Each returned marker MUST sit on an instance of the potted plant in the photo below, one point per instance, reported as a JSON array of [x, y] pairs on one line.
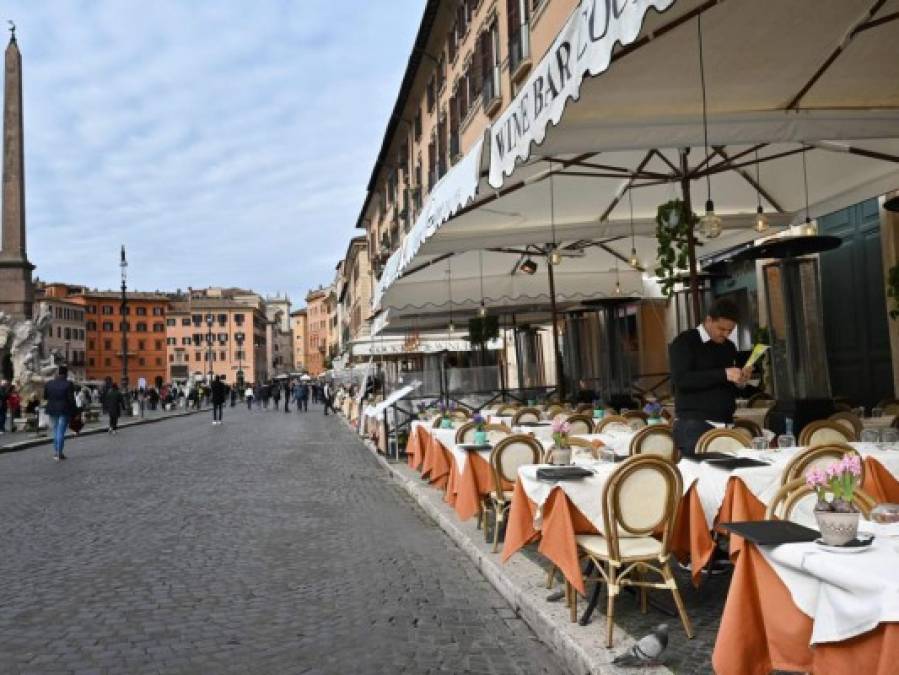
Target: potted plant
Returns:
[[837, 518], [598, 411], [561, 428], [422, 410], [480, 430], [653, 410], [446, 413]]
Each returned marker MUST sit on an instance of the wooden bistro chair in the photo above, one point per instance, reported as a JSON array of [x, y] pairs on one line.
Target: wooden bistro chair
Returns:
[[525, 415], [579, 446], [508, 455], [791, 494], [465, 433], [612, 421], [580, 424], [640, 499], [890, 406], [748, 425], [817, 457], [656, 440], [722, 440], [849, 420], [506, 410], [825, 431], [636, 419], [553, 409], [584, 408]]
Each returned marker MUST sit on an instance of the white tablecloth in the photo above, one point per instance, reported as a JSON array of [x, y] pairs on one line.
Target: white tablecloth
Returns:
[[845, 594], [763, 481]]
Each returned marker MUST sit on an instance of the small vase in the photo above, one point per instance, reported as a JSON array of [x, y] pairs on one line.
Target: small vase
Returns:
[[837, 529], [562, 456], [480, 437], [654, 420], [598, 413], [446, 423]]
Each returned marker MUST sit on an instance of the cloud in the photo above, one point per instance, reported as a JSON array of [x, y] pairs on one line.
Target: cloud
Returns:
[[223, 143]]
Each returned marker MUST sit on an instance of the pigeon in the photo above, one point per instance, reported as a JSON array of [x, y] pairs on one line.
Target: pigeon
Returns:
[[647, 651]]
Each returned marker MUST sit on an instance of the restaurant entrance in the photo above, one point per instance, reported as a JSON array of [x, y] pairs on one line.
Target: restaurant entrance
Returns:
[[855, 317]]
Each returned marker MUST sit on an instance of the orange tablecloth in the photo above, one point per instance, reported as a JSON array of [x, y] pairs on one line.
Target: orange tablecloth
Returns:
[[415, 447], [762, 630], [436, 463], [879, 482], [465, 491]]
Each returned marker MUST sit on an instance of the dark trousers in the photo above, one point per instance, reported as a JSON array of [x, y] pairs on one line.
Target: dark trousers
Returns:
[[249, 402], [686, 433], [217, 409], [287, 404], [327, 402], [113, 422], [303, 404]]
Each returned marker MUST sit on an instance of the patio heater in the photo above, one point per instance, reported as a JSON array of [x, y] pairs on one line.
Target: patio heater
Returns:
[[798, 356], [595, 348], [683, 299]]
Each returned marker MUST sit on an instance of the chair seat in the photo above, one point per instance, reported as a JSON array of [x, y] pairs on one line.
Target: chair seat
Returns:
[[629, 547]]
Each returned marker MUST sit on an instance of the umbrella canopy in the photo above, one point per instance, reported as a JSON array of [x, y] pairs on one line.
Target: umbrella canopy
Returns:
[[812, 80]]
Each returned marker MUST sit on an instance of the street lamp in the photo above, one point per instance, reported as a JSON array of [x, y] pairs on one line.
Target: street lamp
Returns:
[[123, 265], [209, 344], [238, 338]]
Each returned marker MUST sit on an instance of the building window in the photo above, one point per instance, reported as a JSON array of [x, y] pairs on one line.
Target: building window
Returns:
[[158, 311], [126, 311], [431, 93], [171, 341], [107, 344], [90, 325], [159, 328], [91, 309], [141, 327], [141, 345], [124, 326], [223, 356], [141, 361], [186, 341], [222, 319], [185, 322], [171, 358], [107, 310], [197, 319], [519, 33], [238, 319], [198, 356], [171, 322], [90, 362], [158, 344], [90, 344], [106, 362], [158, 361], [107, 325], [141, 311]]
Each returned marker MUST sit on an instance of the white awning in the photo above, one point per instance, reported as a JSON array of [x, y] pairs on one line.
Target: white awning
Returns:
[[377, 409]]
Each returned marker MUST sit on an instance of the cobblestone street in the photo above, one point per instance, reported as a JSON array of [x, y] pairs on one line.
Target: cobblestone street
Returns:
[[273, 543]]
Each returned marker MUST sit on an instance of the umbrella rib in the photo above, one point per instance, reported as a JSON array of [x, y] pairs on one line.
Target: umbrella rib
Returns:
[[724, 166], [794, 103], [749, 179], [624, 171], [874, 23], [675, 172], [614, 203], [620, 257]]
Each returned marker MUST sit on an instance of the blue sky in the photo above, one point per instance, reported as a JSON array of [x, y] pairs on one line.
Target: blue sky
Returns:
[[223, 142]]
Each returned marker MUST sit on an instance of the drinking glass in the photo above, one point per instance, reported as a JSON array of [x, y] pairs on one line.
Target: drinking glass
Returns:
[[759, 443], [870, 436], [859, 411], [786, 441], [889, 436], [876, 412]]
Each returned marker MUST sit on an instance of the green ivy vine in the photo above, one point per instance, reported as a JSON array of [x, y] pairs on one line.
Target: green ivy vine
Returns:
[[673, 225], [893, 289]]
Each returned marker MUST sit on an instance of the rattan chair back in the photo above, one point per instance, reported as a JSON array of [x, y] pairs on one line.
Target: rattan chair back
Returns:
[[825, 431], [655, 439], [722, 440], [525, 415]]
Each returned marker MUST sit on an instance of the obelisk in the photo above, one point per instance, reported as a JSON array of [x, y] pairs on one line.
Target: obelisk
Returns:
[[16, 289]]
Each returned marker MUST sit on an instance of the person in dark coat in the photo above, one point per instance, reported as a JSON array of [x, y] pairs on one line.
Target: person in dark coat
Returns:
[[113, 404], [60, 396], [219, 394]]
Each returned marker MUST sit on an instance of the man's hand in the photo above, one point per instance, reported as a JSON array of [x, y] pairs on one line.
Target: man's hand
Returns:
[[735, 375]]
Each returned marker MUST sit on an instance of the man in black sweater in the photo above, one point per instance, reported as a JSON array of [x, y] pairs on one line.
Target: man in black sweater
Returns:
[[705, 375]]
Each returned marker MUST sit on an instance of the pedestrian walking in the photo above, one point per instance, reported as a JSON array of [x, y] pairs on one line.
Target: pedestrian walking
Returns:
[[327, 394], [114, 404], [60, 396], [249, 396], [219, 392], [233, 396], [4, 390], [13, 403], [276, 395], [287, 396]]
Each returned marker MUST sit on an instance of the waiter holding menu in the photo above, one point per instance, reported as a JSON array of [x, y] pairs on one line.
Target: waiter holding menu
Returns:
[[705, 376]]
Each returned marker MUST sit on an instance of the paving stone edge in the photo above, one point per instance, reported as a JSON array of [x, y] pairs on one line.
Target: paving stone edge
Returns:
[[46, 440], [575, 657]]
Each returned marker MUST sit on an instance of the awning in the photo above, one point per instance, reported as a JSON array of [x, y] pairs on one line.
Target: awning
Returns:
[[817, 79], [378, 409], [416, 344]]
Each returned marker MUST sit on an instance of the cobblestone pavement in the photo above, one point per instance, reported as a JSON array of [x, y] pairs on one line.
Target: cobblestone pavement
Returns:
[[273, 543]]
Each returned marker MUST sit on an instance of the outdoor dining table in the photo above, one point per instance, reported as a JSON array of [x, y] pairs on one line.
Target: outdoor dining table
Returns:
[[427, 452], [796, 607], [555, 513]]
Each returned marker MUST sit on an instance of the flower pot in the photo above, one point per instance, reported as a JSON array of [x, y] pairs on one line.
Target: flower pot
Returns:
[[598, 413], [837, 529], [562, 456], [654, 420], [480, 437], [446, 423]]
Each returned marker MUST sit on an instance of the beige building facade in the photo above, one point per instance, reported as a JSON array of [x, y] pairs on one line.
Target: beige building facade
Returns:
[[66, 335], [298, 337]]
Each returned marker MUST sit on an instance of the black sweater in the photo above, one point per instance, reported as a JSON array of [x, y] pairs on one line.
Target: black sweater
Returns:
[[701, 389]]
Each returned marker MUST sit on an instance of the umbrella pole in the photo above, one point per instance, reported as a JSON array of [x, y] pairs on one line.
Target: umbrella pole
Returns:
[[691, 237], [560, 369], [518, 368]]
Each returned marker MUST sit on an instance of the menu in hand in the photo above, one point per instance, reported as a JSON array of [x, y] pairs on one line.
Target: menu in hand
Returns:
[[756, 354]]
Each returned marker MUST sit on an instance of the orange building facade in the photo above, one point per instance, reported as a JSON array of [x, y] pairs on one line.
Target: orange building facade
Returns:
[[318, 328], [144, 325]]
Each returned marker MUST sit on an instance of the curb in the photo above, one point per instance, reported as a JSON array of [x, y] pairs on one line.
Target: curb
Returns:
[[574, 654], [46, 440]]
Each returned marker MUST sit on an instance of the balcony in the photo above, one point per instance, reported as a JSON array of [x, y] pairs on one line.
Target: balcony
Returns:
[[520, 52], [491, 97]]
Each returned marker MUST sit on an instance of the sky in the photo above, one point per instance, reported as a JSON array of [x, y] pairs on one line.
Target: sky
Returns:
[[224, 143]]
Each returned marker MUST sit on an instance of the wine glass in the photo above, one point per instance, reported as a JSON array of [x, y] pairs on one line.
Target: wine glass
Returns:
[[786, 441], [759, 443], [870, 436]]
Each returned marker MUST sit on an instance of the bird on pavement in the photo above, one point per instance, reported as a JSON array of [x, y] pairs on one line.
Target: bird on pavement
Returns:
[[647, 650]]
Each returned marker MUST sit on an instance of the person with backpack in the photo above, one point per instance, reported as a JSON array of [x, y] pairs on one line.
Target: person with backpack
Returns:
[[60, 396], [114, 404], [219, 391]]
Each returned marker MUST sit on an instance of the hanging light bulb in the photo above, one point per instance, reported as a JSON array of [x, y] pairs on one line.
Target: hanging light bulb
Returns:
[[710, 223], [633, 261], [761, 220], [555, 258], [809, 228], [617, 288], [482, 310], [451, 328]]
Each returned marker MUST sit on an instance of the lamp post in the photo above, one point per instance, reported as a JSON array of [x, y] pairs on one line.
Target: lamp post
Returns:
[[238, 338], [123, 265], [209, 344]]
